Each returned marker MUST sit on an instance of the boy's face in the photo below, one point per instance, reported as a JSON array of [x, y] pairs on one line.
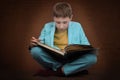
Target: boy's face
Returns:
[[62, 23]]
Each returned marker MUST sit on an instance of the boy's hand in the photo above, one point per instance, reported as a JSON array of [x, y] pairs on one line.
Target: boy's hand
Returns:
[[33, 42]]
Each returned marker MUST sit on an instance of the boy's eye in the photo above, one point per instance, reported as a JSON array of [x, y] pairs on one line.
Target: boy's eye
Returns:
[[58, 22], [64, 22]]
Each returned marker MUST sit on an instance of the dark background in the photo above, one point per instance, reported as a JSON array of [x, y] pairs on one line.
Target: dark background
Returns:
[[20, 20]]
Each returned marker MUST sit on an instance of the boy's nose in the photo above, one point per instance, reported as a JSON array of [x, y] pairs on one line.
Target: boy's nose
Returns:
[[61, 25]]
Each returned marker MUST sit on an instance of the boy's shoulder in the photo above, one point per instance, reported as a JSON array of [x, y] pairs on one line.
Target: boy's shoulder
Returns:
[[75, 23]]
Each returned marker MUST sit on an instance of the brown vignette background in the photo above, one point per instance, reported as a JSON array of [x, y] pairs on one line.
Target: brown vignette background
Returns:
[[20, 20]]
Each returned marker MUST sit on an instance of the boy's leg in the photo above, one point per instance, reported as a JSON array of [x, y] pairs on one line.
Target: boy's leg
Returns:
[[44, 59], [80, 64]]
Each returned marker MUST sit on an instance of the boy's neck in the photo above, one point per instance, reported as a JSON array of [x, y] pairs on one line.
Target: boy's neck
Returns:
[[60, 31]]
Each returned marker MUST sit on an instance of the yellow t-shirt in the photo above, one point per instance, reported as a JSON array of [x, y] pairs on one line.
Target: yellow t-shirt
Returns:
[[61, 39]]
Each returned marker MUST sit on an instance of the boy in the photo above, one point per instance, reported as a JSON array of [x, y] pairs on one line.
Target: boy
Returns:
[[58, 34]]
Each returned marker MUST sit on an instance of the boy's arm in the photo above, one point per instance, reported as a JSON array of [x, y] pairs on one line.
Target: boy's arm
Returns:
[[34, 41], [42, 36], [83, 38]]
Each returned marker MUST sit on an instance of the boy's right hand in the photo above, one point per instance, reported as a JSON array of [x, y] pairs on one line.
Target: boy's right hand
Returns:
[[33, 42]]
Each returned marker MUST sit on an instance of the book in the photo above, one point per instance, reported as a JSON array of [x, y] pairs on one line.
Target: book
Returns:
[[70, 52]]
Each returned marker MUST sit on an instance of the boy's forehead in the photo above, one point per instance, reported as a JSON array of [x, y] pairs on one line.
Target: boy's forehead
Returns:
[[61, 19]]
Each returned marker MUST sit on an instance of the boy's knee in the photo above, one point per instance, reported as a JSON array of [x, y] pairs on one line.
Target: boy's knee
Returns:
[[35, 51], [92, 59]]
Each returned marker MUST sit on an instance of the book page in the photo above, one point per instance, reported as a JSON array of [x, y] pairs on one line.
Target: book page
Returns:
[[50, 48]]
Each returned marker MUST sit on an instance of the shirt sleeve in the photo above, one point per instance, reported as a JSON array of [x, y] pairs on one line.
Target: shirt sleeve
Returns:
[[83, 37], [42, 35]]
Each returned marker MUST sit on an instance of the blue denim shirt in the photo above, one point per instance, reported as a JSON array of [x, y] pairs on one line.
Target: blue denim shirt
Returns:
[[76, 34]]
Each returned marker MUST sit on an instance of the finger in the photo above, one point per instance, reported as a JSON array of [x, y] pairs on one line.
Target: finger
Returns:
[[35, 41], [38, 40], [33, 38]]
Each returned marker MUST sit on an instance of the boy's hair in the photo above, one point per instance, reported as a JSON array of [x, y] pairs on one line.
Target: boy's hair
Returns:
[[62, 9]]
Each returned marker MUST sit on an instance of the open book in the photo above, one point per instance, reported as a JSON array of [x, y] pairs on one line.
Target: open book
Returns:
[[70, 52]]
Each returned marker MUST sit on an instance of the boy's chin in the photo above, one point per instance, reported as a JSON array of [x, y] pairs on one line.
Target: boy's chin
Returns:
[[62, 30]]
